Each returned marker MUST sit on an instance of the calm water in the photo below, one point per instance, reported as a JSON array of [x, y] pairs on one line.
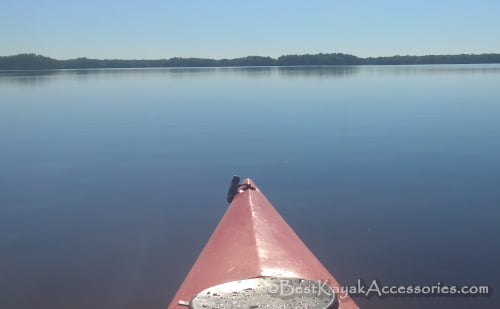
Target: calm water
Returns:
[[111, 181]]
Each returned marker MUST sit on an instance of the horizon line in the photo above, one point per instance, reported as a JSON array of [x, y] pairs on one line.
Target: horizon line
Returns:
[[257, 56]]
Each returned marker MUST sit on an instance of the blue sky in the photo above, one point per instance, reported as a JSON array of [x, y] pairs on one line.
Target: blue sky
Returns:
[[227, 29]]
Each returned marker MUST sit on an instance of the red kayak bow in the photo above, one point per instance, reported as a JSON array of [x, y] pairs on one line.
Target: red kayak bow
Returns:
[[255, 260]]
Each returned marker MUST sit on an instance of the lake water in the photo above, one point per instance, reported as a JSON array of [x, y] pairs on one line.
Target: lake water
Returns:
[[111, 181]]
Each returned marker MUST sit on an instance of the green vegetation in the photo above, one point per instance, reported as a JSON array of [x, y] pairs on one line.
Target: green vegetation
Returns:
[[38, 62]]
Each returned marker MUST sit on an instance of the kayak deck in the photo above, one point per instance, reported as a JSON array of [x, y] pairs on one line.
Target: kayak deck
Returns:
[[252, 240]]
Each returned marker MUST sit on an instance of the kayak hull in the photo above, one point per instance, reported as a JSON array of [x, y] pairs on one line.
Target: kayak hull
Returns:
[[252, 240]]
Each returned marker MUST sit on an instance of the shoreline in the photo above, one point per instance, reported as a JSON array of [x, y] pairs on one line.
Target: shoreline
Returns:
[[33, 62]]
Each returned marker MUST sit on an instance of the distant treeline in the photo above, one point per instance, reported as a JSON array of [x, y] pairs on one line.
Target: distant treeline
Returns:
[[38, 62]]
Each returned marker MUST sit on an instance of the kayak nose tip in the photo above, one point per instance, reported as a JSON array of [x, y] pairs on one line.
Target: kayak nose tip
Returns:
[[249, 182]]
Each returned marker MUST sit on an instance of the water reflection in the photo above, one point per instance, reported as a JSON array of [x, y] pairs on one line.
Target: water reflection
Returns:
[[28, 78], [319, 71], [34, 78], [250, 71], [445, 69]]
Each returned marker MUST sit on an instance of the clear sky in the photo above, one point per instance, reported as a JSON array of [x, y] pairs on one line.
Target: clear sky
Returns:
[[151, 29]]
